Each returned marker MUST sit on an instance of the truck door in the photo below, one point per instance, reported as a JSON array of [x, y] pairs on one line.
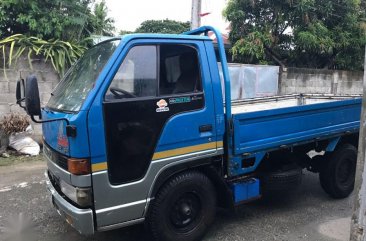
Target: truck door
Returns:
[[158, 109]]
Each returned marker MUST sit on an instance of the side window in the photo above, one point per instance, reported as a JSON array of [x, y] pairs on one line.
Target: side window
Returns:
[[137, 75], [179, 70]]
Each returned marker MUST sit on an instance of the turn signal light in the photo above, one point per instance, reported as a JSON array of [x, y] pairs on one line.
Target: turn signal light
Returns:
[[78, 166]]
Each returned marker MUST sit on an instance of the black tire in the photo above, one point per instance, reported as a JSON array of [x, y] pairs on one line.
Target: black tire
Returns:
[[183, 208], [337, 177], [287, 178]]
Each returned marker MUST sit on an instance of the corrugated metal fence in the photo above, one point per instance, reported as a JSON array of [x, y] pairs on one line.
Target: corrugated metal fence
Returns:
[[249, 81]]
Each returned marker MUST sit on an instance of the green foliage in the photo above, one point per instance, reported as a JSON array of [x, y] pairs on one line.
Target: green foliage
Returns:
[[317, 38], [67, 20], [331, 35], [301, 33], [267, 20], [100, 23], [160, 26], [46, 19], [163, 26], [50, 28], [61, 54], [251, 47], [123, 32]]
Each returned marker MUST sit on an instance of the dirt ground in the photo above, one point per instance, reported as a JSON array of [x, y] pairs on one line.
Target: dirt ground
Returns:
[[15, 158], [307, 214]]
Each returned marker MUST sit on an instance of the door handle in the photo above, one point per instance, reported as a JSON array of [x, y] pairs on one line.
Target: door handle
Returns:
[[205, 128]]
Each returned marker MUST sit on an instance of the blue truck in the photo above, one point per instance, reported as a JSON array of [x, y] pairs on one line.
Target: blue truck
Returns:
[[141, 129]]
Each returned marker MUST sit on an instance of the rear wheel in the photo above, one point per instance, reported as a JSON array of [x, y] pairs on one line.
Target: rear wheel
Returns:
[[337, 176], [183, 208]]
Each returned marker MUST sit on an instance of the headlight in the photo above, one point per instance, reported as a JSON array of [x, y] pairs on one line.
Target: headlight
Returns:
[[81, 196]]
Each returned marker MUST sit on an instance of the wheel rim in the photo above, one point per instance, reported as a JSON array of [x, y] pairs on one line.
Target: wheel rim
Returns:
[[185, 212], [345, 172]]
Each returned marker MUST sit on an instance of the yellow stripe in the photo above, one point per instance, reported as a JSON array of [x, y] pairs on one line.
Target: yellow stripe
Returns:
[[183, 150], [169, 153], [99, 167], [220, 144]]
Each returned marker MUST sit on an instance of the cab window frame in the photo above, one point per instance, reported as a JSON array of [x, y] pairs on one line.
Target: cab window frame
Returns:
[[158, 73], [199, 71], [106, 100]]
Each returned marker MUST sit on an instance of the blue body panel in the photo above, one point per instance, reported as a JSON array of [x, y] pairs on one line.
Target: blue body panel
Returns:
[[244, 191], [188, 123], [216, 90], [261, 131], [52, 132], [215, 75]]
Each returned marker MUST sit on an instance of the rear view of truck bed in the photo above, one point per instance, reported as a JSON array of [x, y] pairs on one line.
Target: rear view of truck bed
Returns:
[[274, 122]]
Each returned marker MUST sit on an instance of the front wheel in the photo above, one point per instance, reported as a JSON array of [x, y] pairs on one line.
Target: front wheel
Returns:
[[337, 175], [183, 208]]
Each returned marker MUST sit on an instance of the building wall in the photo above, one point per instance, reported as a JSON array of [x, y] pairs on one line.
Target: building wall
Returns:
[[318, 81]]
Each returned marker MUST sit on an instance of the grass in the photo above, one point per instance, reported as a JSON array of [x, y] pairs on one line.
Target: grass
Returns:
[[16, 158]]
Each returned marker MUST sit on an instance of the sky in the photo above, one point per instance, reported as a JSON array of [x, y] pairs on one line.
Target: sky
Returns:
[[128, 15]]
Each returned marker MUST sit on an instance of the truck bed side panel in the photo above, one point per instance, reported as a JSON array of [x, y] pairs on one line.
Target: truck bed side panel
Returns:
[[271, 129]]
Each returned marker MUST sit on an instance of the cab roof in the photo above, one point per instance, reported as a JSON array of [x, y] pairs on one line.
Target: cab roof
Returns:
[[163, 36]]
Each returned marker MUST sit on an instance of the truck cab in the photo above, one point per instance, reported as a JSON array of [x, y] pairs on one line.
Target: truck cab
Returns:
[[135, 105], [140, 129]]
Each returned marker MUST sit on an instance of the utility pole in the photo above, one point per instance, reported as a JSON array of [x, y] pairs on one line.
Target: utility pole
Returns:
[[195, 14], [358, 221]]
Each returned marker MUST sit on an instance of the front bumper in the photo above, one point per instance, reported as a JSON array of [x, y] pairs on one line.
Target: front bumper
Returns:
[[80, 219]]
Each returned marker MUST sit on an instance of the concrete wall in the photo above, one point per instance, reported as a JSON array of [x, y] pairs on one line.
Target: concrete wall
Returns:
[[318, 81], [47, 80]]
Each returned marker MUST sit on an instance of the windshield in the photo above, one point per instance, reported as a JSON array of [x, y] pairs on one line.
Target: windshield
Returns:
[[73, 89]]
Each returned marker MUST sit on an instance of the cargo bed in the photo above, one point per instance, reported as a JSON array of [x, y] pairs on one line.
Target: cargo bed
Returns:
[[274, 122], [275, 102]]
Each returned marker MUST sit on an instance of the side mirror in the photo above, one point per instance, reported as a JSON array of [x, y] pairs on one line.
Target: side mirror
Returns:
[[32, 102], [28, 92], [20, 92]]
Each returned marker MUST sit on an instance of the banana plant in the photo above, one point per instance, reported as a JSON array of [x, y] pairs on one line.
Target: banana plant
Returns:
[[61, 54]]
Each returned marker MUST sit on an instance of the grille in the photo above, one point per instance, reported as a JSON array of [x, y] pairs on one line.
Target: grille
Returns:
[[55, 182], [55, 157]]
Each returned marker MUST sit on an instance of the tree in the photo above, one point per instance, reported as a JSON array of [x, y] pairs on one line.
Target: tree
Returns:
[[66, 20], [163, 26], [100, 22], [123, 32], [331, 34], [302, 33], [257, 27], [46, 19]]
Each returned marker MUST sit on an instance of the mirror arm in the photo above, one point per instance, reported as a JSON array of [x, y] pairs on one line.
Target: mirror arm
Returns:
[[45, 121], [19, 102]]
